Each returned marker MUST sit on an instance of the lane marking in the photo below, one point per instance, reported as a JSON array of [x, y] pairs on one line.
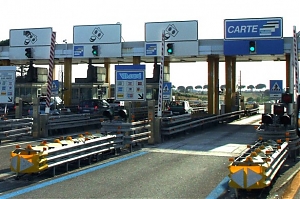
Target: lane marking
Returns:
[[220, 189], [70, 176]]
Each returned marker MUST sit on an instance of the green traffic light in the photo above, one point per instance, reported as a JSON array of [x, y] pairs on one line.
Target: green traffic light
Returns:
[[170, 51], [94, 52], [252, 49]]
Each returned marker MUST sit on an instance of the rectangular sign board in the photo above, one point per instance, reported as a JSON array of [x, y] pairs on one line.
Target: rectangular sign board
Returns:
[[260, 28], [130, 82], [38, 52], [55, 88], [167, 90], [276, 89], [263, 47], [7, 84], [30, 37], [105, 50], [174, 31], [97, 34], [181, 48]]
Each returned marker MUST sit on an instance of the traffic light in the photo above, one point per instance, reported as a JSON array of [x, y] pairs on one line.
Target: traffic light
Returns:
[[287, 98], [95, 50], [170, 48], [28, 53], [252, 47]]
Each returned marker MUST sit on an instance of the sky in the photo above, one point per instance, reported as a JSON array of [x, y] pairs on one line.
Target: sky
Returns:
[[133, 14]]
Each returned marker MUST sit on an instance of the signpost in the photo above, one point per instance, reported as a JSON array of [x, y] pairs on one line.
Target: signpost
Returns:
[[262, 36], [55, 88], [275, 89], [167, 90], [7, 82], [130, 83]]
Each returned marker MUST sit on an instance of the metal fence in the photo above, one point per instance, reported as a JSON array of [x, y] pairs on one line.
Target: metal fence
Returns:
[[15, 128]]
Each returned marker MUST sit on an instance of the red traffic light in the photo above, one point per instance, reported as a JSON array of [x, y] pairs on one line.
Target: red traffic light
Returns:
[[287, 98]]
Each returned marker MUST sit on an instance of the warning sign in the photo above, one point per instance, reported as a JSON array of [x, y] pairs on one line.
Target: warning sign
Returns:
[[276, 89]]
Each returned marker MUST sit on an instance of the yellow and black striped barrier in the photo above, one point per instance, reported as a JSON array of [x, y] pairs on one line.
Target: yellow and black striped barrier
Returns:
[[258, 165], [35, 159]]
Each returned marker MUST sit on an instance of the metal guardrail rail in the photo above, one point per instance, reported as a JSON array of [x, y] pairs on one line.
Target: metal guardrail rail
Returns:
[[175, 124], [134, 132], [258, 165], [73, 120], [15, 128], [36, 159]]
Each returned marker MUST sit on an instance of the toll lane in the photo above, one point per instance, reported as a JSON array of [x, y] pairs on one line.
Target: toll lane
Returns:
[[189, 166]]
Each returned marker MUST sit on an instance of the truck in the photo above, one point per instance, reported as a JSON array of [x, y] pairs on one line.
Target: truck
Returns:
[[180, 107]]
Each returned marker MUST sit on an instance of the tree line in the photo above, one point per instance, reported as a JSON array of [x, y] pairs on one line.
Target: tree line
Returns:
[[190, 88]]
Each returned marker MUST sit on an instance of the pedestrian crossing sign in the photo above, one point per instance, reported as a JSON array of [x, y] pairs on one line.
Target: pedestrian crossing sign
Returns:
[[276, 89]]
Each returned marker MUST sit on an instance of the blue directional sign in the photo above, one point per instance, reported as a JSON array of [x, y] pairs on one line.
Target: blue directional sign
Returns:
[[55, 87], [78, 51], [151, 50], [276, 89], [130, 83], [260, 28], [167, 90]]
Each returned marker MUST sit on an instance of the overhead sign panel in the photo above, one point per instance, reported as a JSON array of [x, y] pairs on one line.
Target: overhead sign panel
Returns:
[[7, 84], [276, 89], [174, 31], [30, 37], [260, 28], [97, 34], [130, 83]]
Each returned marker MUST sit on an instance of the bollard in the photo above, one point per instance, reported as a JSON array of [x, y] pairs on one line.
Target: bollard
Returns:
[[151, 117], [43, 127], [36, 117], [19, 108]]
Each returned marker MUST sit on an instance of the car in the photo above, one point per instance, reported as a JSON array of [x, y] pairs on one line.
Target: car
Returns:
[[93, 106], [114, 103]]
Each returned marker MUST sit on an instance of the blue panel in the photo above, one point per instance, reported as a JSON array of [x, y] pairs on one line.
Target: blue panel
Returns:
[[151, 49], [126, 75], [78, 51], [263, 47], [276, 87], [130, 67], [253, 28]]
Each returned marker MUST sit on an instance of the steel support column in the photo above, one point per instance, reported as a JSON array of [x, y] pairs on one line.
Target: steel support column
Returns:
[[233, 74], [68, 81], [107, 77], [136, 60], [228, 83], [211, 85], [5, 62], [217, 86]]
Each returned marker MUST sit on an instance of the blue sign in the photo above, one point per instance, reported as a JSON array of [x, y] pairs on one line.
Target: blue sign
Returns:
[[167, 90], [55, 87], [151, 50], [261, 28], [276, 89], [263, 47], [78, 51], [130, 83]]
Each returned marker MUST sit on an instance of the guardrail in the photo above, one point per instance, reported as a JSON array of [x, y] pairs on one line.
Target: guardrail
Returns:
[[15, 128], [61, 122], [258, 165], [175, 124], [36, 159], [134, 132]]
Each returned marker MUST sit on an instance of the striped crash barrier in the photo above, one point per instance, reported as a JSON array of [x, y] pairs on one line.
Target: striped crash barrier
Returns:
[[35, 159], [258, 165]]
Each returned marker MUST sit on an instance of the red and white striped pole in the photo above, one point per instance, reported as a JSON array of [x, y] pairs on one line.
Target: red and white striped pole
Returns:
[[51, 66], [295, 60], [161, 77]]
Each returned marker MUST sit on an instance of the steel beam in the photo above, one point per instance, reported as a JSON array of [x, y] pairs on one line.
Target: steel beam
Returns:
[[68, 81], [107, 77]]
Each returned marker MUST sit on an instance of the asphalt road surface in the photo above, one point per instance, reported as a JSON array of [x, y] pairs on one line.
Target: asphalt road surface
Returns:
[[193, 165]]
